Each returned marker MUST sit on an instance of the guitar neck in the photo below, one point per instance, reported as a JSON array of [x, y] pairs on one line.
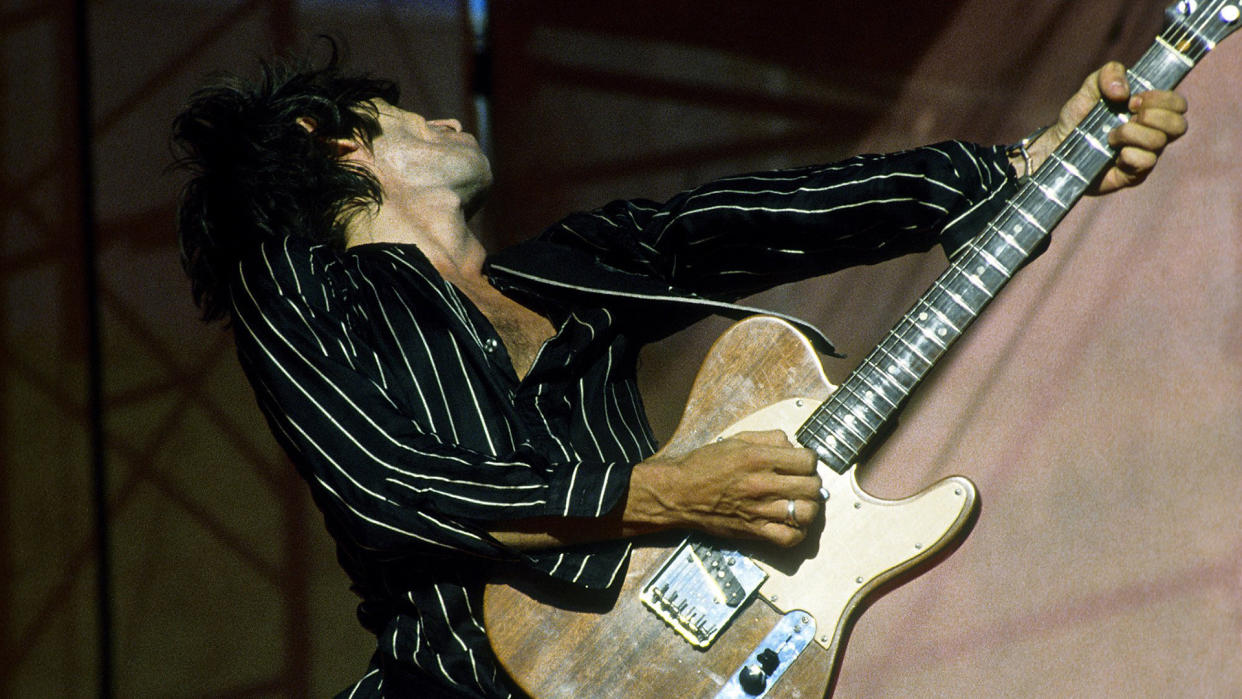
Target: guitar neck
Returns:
[[846, 424]]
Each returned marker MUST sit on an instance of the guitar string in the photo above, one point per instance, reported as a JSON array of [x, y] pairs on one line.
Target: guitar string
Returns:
[[901, 333], [1029, 197], [1206, 17], [1033, 195]]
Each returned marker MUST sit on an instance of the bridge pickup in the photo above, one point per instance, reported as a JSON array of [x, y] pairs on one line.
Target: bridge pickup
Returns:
[[699, 589]]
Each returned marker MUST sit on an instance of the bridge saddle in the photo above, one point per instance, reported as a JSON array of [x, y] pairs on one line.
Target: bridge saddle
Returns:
[[699, 589]]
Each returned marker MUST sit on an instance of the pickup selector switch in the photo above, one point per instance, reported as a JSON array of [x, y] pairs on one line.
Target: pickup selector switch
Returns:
[[768, 660]]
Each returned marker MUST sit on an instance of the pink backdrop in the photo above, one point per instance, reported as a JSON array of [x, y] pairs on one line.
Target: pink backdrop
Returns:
[[1096, 405]]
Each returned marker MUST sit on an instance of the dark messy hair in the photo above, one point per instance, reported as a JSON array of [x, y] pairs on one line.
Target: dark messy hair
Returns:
[[257, 174]]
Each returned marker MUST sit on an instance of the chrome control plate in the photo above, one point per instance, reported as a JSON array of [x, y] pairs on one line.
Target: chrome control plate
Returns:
[[769, 660]]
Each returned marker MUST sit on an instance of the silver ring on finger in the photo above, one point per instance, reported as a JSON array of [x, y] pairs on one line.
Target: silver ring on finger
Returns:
[[791, 511]]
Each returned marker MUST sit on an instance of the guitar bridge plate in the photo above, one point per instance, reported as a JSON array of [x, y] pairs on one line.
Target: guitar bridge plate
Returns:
[[700, 588]]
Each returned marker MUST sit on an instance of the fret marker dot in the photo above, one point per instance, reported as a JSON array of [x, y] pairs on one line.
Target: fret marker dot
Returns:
[[942, 332], [1230, 13], [923, 315]]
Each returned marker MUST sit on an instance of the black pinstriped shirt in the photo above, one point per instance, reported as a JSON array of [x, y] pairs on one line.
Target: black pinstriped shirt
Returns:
[[396, 400]]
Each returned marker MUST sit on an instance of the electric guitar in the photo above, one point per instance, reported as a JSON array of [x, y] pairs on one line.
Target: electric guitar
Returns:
[[702, 618]]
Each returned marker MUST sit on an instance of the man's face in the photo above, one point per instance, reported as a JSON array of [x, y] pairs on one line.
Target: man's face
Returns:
[[412, 152]]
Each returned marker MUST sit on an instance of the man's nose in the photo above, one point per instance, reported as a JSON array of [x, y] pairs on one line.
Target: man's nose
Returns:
[[450, 123]]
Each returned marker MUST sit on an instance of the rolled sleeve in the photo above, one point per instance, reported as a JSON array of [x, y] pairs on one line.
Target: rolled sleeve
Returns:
[[742, 234]]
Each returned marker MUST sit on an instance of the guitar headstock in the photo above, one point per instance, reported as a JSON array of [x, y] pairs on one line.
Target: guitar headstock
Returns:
[[1194, 27]]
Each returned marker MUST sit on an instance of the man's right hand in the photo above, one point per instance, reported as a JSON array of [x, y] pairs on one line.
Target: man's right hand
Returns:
[[737, 488]]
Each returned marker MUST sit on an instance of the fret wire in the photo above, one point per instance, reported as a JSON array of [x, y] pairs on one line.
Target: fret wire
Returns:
[[935, 298], [927, 330], [818, 425], [1004, 244], [978, 283], [1012, 242], [820, 419], [1072, 170], [925, 307], [992, 262], [944, 318], [1094, 144], [862, 376], [1135, 77], [913, 349], [877, 371], [832, 407], [935, 338], [927, 304], [848, 422], [1075, 151], [861, 400], [824, 415], [1050, 195], [858, 419], [899, 363], [839, 457], [1174, 52], [943, 315], [979, 247], [958, 299], [996, 245], [896, 340]]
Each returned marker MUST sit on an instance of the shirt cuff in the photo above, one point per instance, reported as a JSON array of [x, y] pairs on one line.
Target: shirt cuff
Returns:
[[989, 182]]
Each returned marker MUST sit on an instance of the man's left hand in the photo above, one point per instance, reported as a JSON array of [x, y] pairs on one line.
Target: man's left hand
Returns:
[[1157, 119]]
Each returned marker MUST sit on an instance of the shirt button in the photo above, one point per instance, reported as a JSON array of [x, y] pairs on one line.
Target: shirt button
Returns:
[[490, 345]]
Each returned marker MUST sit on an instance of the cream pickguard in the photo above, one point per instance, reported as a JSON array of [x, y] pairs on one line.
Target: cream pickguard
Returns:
[[842, 573]]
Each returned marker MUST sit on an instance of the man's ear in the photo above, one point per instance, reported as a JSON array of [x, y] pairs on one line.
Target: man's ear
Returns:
[[341, 147]]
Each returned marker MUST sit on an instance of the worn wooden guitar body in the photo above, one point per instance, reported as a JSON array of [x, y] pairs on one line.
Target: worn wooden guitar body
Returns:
[[761, 374], [697, 619]]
